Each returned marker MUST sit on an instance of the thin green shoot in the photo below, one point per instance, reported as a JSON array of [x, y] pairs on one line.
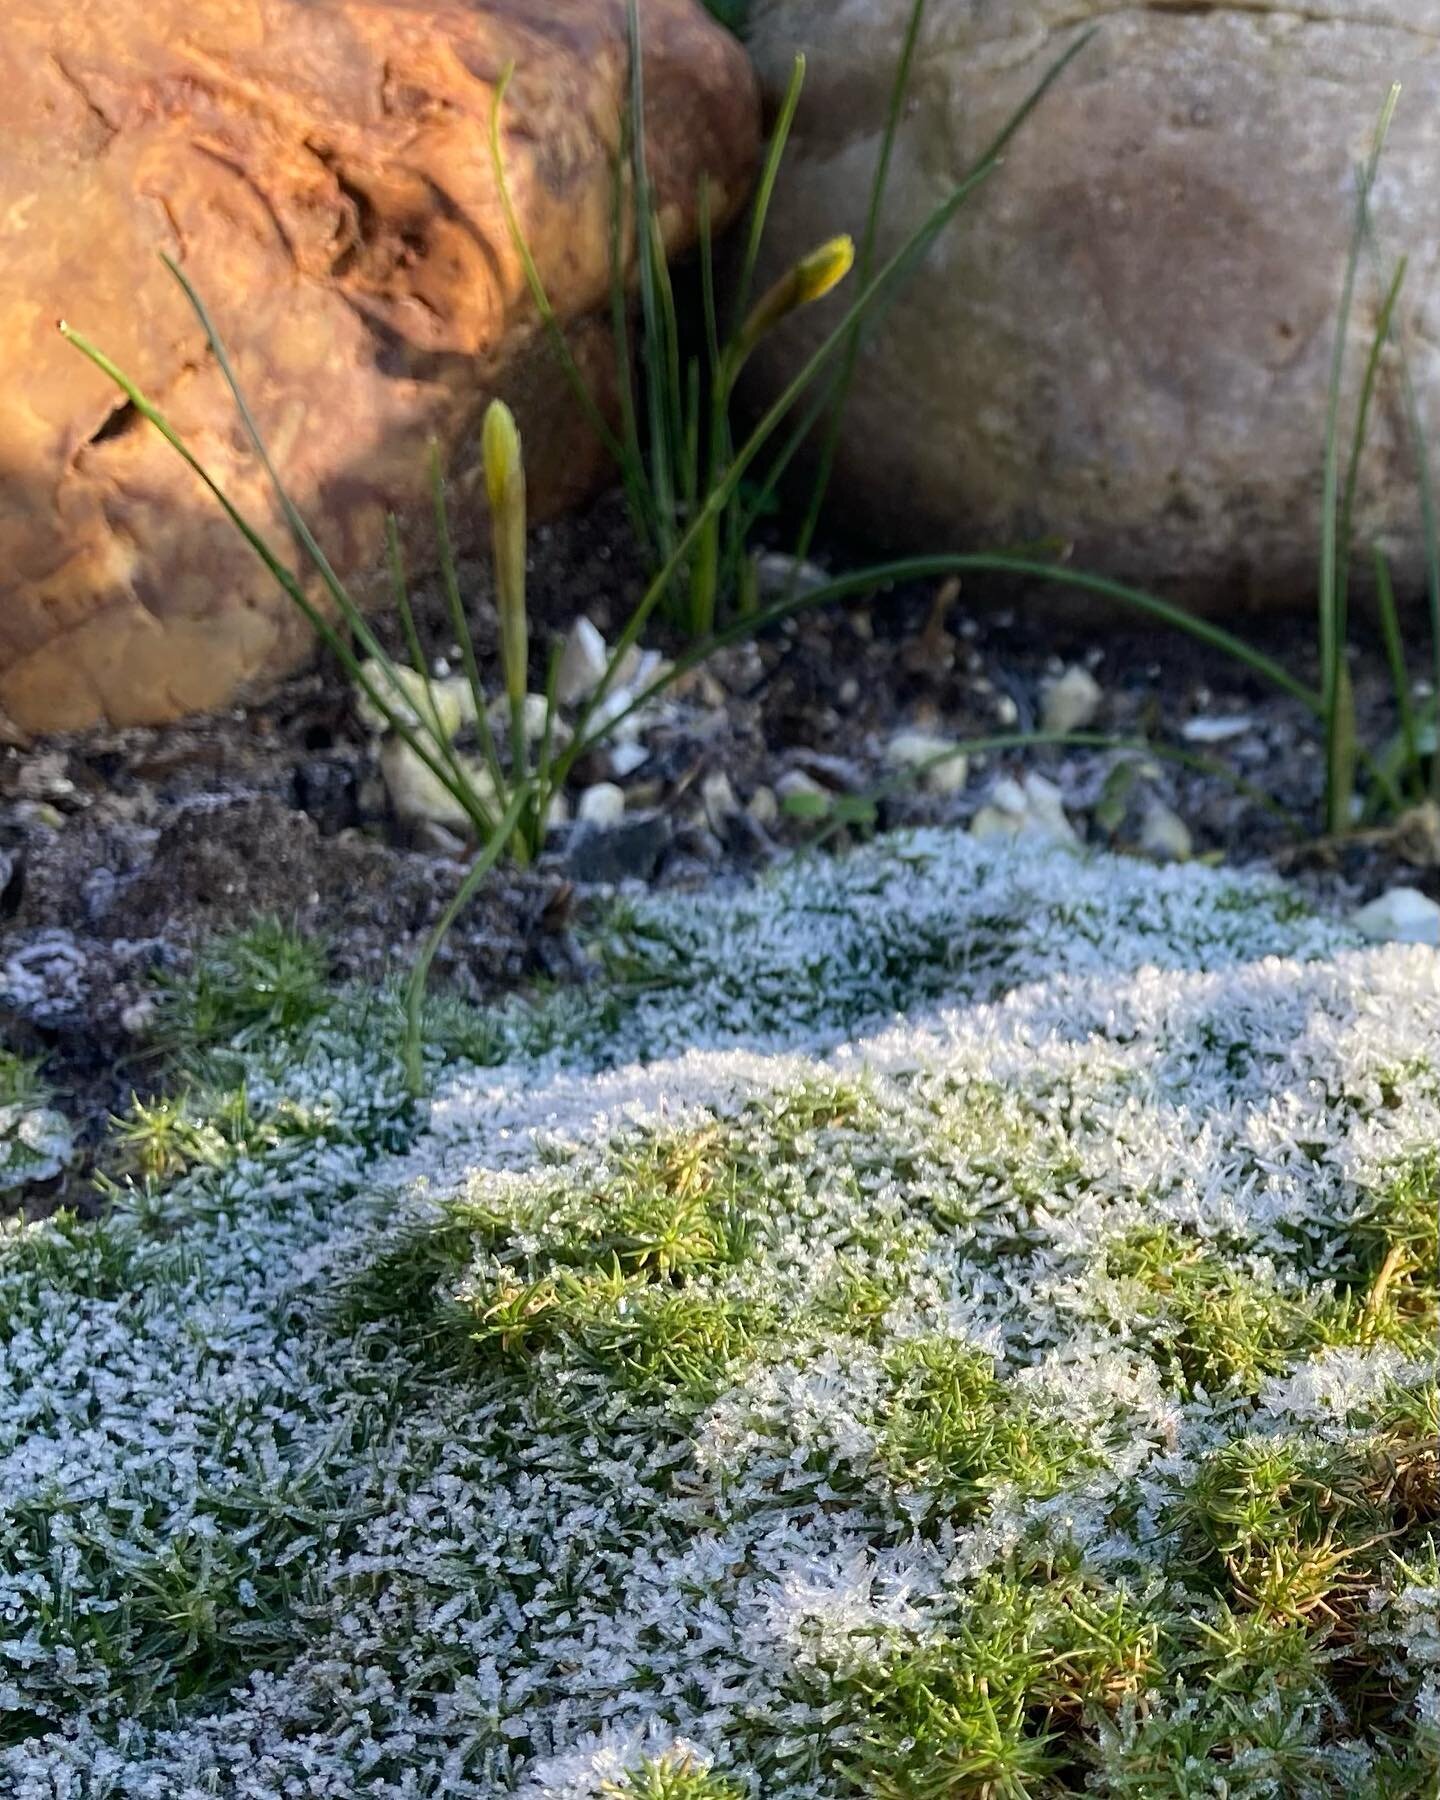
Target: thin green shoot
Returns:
[[489, 855], [459, 619], [830, 446], [723, 491], [1399, 673], [1429, 518], [690, 510], [1337, 705]]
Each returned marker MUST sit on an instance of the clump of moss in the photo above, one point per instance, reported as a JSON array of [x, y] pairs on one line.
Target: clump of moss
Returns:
[[1209, 1322], [36, 1142], [268, 980], [616, 1271], [997, 1705], [674, 1777], [955, 1428], [1289, 1527]]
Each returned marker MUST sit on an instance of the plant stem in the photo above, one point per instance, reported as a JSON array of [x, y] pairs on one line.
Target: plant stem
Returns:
[[1399, 673], [460, 623], [831, 444], [420, 974], [1333, 553], [286, 578], [765, 189]]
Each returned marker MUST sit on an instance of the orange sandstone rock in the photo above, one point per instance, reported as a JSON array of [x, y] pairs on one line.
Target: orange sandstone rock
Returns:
[[321, 170]]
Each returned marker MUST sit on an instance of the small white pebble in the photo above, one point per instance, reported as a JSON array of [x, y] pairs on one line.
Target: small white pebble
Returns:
[[1072, 702], [720, 799], [627, 757], [603, 804], [1401, 915], [1032, 808], [795, 783], [582, 663], [1164, 834], [943, 768], [1215, 730]]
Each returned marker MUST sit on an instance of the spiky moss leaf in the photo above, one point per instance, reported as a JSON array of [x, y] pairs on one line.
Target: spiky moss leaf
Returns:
[[1212, 1325], [266, 980], [954, 1429], [987, 1707], [1291, 1527], [674, 1777]]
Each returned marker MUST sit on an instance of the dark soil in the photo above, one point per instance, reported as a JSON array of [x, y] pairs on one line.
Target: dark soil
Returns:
[[121, 851]]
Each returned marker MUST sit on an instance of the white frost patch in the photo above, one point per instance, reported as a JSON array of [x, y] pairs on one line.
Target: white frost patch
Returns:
[[417, 1577]]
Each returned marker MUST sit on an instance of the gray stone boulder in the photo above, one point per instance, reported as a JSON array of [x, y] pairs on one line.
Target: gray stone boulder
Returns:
[[1124, 341]]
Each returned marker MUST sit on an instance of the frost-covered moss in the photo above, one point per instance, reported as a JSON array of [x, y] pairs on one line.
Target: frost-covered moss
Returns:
[[36, 1142], [952, 1321]]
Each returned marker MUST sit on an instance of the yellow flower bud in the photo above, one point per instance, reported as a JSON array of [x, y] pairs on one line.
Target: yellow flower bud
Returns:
[[808, 280], [505, 488]]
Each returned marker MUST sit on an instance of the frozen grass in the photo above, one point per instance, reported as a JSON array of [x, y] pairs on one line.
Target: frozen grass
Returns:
[[955, 1321]]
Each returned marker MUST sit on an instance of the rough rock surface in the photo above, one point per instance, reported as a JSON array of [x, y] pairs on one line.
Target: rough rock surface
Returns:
[[1125, 340], [322, 173]]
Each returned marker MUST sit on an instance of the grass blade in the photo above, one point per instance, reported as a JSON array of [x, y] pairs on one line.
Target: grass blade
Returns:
[[709, 306], [765, 190], [1333, 553], [1429, 519], [1360, 435], [653, 353], [1399, 673], [1340, 740], [545, 755], [459, 622], [673, 385], [831, 444], [291, 585], [894, 270], [419, 661], [420, 974]]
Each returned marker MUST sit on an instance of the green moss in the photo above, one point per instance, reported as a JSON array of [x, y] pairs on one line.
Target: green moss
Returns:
[[1209, 1323], [855, 1300], [1194, 1745], [1003, 1161], [953, 1427], [1390, 1257], [672, 1778], [1289, 1528], [20, 1083], [36, 1142], [265, 981], [998, 1706], [616, 1273], [657, 1339], [85, 1259]]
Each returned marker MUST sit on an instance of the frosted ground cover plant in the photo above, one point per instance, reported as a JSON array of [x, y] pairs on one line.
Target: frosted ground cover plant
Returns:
[[946, 1322]]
